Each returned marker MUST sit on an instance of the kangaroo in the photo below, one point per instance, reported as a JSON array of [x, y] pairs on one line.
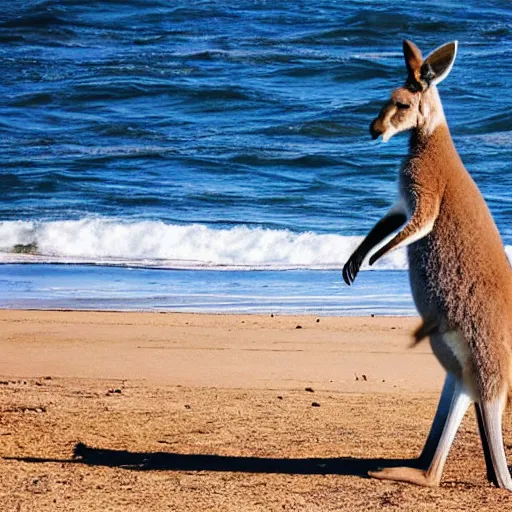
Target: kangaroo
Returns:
[[460, 276]]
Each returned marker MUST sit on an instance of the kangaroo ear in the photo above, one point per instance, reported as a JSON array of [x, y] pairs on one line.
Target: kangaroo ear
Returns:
[[413, 58], [437, 66]]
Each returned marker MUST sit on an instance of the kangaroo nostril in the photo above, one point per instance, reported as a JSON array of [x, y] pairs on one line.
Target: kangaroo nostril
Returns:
[[374, 131]]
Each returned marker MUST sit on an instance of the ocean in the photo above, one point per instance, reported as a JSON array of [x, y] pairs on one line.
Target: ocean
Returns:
[[215, 155]]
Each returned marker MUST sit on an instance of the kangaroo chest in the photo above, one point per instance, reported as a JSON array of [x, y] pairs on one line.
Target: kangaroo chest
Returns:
[[460, 267]]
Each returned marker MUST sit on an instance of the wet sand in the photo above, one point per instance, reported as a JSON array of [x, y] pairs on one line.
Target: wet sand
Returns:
[[181, 412]]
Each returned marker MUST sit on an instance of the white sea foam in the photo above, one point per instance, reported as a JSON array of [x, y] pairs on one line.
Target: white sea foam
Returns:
[[156, 244]]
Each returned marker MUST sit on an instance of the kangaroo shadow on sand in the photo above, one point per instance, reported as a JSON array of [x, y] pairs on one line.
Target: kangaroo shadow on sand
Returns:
[[142, 461]]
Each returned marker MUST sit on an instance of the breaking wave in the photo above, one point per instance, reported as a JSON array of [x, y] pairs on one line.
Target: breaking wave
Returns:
[[104, 241]]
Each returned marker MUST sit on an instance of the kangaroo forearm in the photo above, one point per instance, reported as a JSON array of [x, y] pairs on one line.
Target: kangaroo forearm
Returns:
[[417, 228], [381, 230], [394, 242]]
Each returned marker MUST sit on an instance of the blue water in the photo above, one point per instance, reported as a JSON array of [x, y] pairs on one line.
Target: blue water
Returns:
[[218, 134], [119, 288]]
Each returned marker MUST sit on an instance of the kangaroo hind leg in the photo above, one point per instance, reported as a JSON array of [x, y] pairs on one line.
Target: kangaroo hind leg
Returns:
[[431, 477], [436, 430], [492, 412], [491, 474]]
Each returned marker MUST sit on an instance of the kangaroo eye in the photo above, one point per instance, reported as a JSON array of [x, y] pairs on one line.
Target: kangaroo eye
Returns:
[[402, 106]]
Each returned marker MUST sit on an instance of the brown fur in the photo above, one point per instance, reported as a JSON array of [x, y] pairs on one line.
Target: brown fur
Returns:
[[459, 272]]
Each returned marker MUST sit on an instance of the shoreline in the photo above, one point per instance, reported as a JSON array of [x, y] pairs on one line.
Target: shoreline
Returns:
[[322, 292]]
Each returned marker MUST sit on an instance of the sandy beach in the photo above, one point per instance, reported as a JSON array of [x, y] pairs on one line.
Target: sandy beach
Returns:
[[183, 412]]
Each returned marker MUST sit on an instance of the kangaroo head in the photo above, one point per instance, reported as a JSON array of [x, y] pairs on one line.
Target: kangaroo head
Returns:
[[416, 104]]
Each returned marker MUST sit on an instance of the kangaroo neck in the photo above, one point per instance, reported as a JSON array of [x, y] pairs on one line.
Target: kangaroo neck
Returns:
[[429, 145], [433, 159], [422, 141], [431, 136]]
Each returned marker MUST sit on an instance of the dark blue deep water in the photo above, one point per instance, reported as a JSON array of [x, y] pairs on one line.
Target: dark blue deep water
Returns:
[[219, 133]]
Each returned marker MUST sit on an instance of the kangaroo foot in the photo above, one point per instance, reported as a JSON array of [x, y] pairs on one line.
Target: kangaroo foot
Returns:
[[410, 475]]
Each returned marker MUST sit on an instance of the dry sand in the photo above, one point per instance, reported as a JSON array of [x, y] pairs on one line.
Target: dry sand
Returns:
[[179, 412]]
